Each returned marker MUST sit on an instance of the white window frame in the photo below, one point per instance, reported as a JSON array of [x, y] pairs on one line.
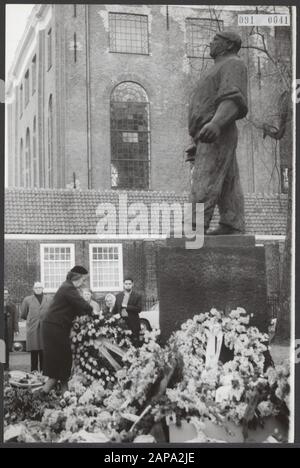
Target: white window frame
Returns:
[[120, 264], [42, 250]]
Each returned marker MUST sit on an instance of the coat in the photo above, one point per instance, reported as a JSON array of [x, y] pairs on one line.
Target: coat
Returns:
[[56, 326], [134, 307], [11, 324], [33, 312], [66, 305]]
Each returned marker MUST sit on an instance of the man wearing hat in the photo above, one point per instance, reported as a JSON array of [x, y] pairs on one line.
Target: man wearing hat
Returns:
[[33, 309], [219, 99], [66, 304]]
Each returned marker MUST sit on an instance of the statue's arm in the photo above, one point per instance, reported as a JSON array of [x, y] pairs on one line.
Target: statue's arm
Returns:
[[226, 113]]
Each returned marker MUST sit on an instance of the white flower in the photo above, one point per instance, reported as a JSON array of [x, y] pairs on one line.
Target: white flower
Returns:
[[265, 408], [144, 439]]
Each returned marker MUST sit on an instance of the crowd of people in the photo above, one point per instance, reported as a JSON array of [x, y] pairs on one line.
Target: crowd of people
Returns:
[[49, 322]]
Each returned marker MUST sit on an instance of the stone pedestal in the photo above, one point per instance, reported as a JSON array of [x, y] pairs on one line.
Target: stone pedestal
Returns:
[[226, 273]]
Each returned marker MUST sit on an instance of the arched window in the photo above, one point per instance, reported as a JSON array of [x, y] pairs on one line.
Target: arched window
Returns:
[[21, 165], [49, 177], [130, 137], [34, 156], [27, 172]]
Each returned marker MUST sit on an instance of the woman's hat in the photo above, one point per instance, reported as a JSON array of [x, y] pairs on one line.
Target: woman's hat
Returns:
[[79, 269]]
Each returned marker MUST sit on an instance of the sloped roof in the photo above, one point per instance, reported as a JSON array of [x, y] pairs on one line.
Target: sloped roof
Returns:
[[65, 211]]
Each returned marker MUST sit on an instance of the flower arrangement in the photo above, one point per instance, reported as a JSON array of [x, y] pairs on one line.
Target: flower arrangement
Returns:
[[215, 368], [97, 344], [219, 390], [22, 404], [141, 369]]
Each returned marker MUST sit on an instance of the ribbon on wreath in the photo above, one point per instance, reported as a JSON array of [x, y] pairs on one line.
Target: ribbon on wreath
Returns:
[[213, 348], [104, 347]]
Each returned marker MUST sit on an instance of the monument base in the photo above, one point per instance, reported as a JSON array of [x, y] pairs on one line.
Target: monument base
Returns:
[[226, 273]]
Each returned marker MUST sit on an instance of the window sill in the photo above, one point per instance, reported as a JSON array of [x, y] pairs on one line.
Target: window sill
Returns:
[[129, 53], [136, 189], [199, 57], [50, 290], [108, 290]]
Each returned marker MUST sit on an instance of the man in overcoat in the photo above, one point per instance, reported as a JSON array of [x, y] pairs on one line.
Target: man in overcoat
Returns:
[[33, 309]]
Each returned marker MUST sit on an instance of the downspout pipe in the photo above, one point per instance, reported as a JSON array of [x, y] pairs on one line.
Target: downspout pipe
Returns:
[[88, 97]]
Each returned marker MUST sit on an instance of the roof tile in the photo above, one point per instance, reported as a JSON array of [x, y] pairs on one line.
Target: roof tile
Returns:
[[65, 211]]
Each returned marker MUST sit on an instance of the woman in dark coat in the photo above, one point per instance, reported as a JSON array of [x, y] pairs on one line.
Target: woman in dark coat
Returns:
[[56, 326]]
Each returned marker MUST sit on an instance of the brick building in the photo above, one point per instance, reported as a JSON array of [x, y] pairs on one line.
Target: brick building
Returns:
[[99, 93], [97, 99], [48, 230]]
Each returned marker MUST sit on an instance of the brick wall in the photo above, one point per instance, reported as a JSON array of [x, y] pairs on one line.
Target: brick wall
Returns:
[[167, 75], [22, 264]]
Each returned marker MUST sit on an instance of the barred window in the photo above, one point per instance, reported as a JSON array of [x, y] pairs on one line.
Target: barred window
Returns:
[[21, 100], [128, 33], [27, 172], [200, 32], [34, 156], [130, 137], [21, 165], [50, 144], [49, 48], [26, 87], [33, 74], [285, 179], [106, 267], [56, 261]]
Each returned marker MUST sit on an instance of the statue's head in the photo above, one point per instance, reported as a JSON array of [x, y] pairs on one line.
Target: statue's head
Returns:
[[225, 42]]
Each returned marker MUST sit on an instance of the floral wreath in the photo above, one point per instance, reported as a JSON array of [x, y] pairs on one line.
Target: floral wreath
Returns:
[[98, 344], [210, 388], [123, 407]]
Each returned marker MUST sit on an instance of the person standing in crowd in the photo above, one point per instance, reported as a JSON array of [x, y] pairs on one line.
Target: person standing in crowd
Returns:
[[129, 305], [33, 309], [11, 326], [109, 304], [67, 303], [87, 295]]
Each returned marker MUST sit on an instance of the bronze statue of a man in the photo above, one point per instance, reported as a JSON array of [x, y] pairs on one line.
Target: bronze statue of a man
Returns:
[[219, 99]]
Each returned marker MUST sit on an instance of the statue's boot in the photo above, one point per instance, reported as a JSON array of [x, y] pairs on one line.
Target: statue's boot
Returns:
[[224, 230]]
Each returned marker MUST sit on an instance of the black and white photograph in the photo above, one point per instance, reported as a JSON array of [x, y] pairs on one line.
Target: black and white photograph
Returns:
[[149, 235]]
